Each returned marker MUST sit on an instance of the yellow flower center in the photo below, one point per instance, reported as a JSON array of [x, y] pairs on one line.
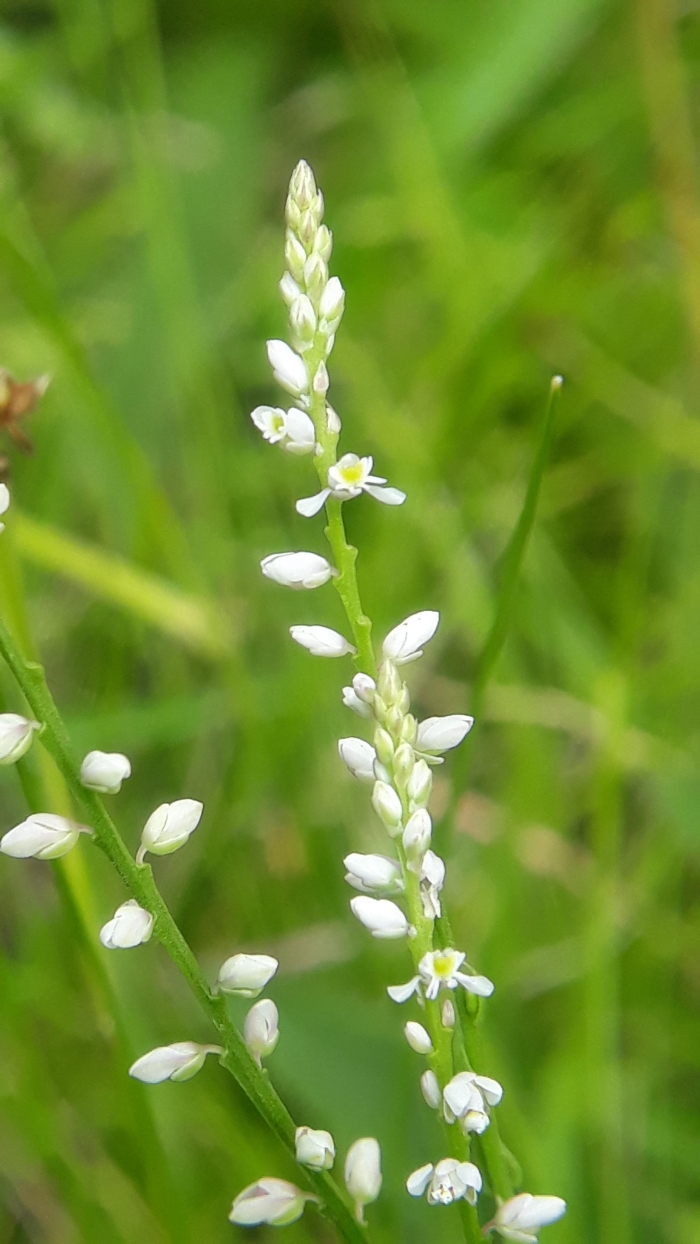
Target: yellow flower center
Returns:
[[443, 965], [352, 475]]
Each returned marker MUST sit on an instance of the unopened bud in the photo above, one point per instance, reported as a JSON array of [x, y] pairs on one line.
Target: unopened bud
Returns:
[[418, 1038], [323, 242], [394, 719], [389, 683], [294, 257], [448, 1014], [302, 185], [430, 1089], [420, 785], [315, 1149], [315, 275], [246, 975], [302, 320], [417, 834], [261, 1029], [363, 1173], [289, 289], [16, 734], [404, 760], [409, 728], [321, 380], [387, 806], [384, 746], [332, 303]]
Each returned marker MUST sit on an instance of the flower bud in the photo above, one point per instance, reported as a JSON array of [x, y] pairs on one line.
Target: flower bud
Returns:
[[409, 728], [323, 242], [297, 570], [405, 642], [430, 1089], [372, 872], [288, 368], [246, 975], [363, 1173], [306, 228], [404, 760], [315, 275], [321, 641], [16, 735], [418, 1038], [321, 379], [302, 186], [353, 701], [299, 432], [43, 836], [130, 926], [272, 1201], [364, 687], [178, 1062], [289, 289], [314, 1148], [448, 1016], [261, 1029], [417, 834], [384, 746], [389, 684], [394, 719], [169, 827], [359, 757], [387, 806], [333, 421], [302, 320], [521, 1217], [440, 734], [105, 771], [383, 918], [294, 257], [4, 502], [332, 303], [419, 785]]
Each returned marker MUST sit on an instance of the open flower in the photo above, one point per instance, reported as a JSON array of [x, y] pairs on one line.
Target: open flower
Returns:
[[43, 836], [105, 772], [177, 1062], [439, 969], [467, 1098], [292, 429], [130, 926], [315, 1149], [449, 1181], [347, 478], [246, 975], [16, 734], [321, 641], [521, 1217], [272, 1201], [297, 570], [405, 642], [363, 1173]]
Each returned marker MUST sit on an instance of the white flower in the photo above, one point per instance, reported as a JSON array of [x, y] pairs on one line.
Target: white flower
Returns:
[[359, 756], [467, 1098], [387, 806], [432, 879], [417, 834], [331, 305], [439, 969], [169, 827], [292, 429], [360, 696], [405, 642], [419, 785], [314, 1148], [347, 478], [382, 917], [363, 1173], [261, 1029], [297, 570], [43, 836], [373, 872], [16, 734], [430, 1089], [288, 368], [4, 502], [176, 1062], [246, 975], [273, 1201], [418, 1038], [521, 1217], [321, 641], [440, 734], [449, 1181], [105, 771], [130, 926]]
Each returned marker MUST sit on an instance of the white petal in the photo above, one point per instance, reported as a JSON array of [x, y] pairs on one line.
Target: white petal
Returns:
[[404, 642], [491, 1089], [539, 1211], [308, 506], [300, 430], [4, 498], [401, 993], [352, 700], [389, 496], [417, 1183], [480, 985]]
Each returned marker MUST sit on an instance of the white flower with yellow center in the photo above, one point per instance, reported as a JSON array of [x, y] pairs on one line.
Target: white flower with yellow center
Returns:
[[449, 1181], [439, 969], [347, 478], [292, 429]]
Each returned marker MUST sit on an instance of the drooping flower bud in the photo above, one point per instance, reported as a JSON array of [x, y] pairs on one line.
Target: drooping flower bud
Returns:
[[359, 756], [363, 1173], [130, 926], [16, 734], [169, 827], [382, 917], [246, 975], [272, 1201], [321, 641], [177, 1062], [43, 836], [418, 1038], [105, 771], [314, 1148], [261, 1029], [297, 570]]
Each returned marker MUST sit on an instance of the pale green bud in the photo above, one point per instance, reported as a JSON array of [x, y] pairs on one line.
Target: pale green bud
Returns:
[[384, 746], [389, 683], [404, 760]]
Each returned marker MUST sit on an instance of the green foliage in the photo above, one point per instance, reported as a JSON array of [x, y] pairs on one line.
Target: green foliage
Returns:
[[513, 192]]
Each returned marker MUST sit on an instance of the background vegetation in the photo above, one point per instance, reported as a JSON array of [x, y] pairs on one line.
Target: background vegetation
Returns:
[[513, 189]]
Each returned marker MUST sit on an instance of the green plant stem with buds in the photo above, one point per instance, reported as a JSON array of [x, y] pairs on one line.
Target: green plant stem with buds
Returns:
[[140, 883]]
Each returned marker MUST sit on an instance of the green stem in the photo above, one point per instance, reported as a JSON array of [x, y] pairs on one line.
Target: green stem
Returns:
[[140, 883]]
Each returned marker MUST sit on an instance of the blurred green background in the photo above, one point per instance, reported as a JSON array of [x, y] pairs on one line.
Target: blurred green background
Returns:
[[513, 189]]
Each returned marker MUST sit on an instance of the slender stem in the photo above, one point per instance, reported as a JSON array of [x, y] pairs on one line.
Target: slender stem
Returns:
[[140, 883]]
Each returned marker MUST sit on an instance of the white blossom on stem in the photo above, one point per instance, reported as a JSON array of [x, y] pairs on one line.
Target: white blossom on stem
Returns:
[[130, 926], [16, 734], [261, 1029], [387, 806], [439, 969], [169, 827], [419, 785], [321, 641], [449, 1181], [359, 756], [246, 975], [315, 1149], [418, 1038], [363, 1173], [467, 1097], [416, 836], [288, 369], [432, 879], [360, 696], [521, 1217], [382, 917], [347, 478], [405, 642], [440, 734], [297, 570], [177, 1062], [371, 873], [272, 1201], [43, 836], [292, 429], [105, 771]]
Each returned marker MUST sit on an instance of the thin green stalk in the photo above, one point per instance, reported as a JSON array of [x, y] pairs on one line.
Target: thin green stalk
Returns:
[[140, 883]]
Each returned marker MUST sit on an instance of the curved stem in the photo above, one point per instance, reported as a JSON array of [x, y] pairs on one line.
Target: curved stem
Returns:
[[141, 885]]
